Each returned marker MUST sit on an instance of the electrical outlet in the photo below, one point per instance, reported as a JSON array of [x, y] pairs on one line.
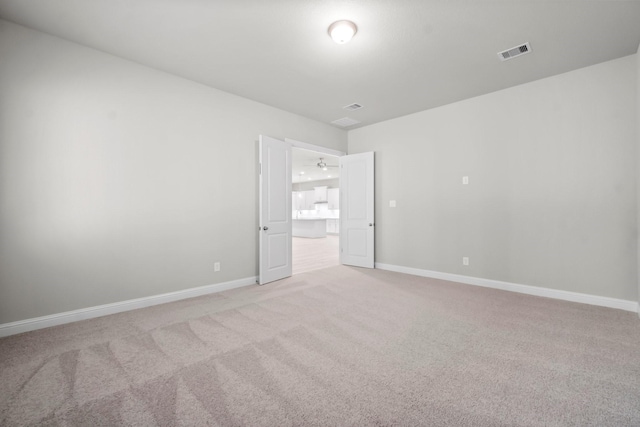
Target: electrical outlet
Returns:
[[465, 260], [216, 266]]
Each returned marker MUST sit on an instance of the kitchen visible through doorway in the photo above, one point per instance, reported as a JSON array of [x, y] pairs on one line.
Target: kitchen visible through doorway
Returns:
[[315, 205]]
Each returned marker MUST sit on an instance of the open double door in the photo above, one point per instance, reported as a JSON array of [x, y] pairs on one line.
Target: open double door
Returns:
[[356, 210]]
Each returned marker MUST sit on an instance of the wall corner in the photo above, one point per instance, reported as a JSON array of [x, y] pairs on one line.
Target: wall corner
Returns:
[[638, 172]]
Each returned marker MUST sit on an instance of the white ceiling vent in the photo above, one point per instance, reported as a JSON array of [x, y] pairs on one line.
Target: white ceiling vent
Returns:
[[352, 107], [345, 122], [514, 51]]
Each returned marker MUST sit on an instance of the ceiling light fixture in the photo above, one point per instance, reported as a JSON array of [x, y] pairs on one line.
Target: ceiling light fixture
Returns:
[[342, 31]]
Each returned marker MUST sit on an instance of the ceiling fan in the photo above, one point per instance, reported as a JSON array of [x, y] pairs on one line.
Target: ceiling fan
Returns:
[[322, 165]]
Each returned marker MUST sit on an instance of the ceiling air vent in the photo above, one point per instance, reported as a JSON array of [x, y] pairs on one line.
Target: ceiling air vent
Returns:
[[345, 122], [514, 51], [352, 107]]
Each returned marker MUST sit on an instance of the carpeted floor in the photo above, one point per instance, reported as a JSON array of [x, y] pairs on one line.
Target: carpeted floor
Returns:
[[335, 347]]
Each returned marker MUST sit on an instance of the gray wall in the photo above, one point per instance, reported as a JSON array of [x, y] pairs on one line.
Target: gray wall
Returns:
[[118, 181], [638, 164], [552, 195]]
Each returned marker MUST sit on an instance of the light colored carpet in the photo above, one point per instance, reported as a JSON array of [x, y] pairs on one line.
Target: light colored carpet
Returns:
[[336, 347]]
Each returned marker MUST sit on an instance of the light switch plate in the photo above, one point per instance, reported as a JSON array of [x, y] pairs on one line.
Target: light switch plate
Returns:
[[392, 203]]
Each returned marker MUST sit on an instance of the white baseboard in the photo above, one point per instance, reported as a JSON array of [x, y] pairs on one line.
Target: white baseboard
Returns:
[[117, 307], [514, 287]]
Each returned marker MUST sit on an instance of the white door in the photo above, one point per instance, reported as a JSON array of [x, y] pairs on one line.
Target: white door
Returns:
[[275, 209], [356, 210]]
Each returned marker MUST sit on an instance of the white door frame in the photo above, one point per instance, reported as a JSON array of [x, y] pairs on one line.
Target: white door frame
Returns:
[[318, 148], [306, 146]]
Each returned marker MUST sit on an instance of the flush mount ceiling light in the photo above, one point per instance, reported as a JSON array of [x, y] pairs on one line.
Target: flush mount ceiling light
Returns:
[[342, 31]]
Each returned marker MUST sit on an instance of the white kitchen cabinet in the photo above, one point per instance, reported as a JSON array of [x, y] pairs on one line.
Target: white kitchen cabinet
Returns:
[[330, 226], [333, 197], [310, 228], [321, 194], [303, 200], [333, 225], [307, 200], [297, 200], [310, 200]]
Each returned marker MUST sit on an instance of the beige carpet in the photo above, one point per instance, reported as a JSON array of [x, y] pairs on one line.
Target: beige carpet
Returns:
[[336, 347]]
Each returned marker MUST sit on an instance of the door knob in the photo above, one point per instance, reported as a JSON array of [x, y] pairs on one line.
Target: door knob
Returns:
[[370, 224], [265, 228]]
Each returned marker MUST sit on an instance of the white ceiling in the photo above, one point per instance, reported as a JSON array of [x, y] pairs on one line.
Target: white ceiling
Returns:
[[408, 55], [306, 161]]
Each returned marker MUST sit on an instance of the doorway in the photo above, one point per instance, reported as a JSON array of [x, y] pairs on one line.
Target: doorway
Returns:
[[315, 210], [356, 199]]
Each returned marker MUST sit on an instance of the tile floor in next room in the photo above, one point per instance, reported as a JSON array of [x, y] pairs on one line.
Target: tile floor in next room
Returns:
[[313, 254]]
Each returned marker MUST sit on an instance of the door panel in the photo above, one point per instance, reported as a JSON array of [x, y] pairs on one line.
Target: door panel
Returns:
[[275, 209], [357, 242], [357, 210]]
